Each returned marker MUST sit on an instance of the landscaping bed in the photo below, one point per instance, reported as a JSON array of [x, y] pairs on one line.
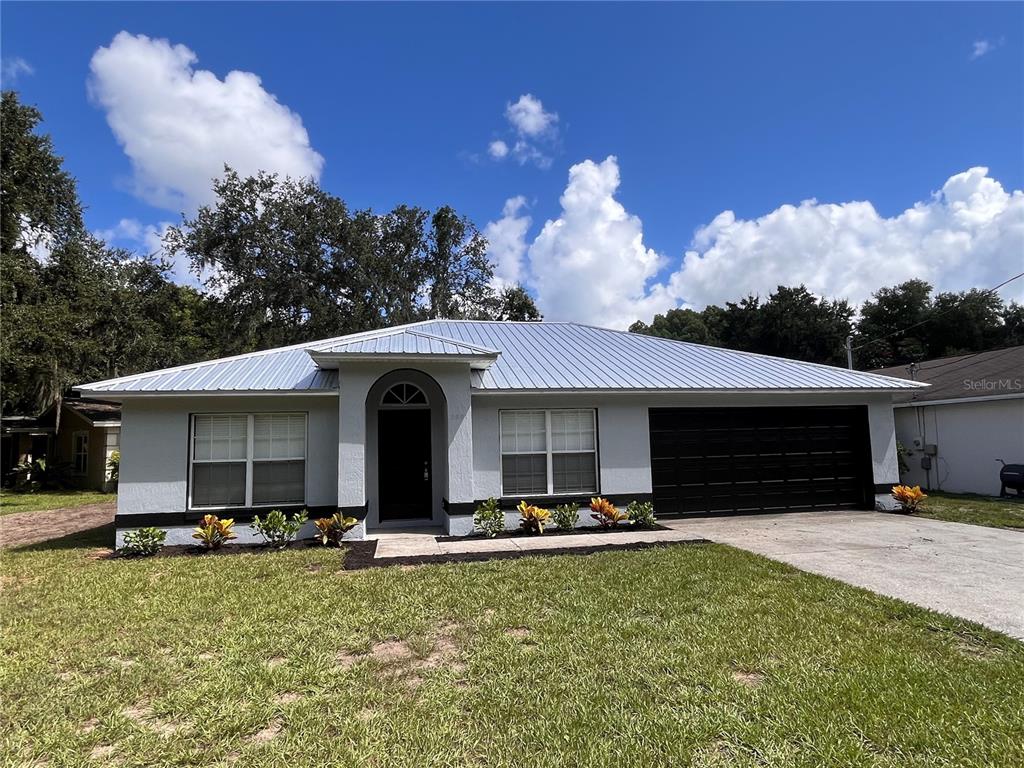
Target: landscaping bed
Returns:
[[519, 533]]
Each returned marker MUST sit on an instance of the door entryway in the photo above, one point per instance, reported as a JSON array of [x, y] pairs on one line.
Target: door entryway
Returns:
[[403, 464]]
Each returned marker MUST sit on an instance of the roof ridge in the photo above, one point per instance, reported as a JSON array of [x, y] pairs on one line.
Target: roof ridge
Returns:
[[759, 355]]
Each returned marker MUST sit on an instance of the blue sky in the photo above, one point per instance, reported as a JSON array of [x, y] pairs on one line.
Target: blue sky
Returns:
[[705, 108]]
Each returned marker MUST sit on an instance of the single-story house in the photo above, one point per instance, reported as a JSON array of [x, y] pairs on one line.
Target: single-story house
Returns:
[[416, 425], [87, 435], [956, 432]]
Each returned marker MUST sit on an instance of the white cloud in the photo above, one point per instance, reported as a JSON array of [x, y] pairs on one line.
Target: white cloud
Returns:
[[969, 234], [981, 47], [529, 117], [11, 68], [532, 133], [180, 126], [506, 242], [590, 264], [497, 149], [148, 239]]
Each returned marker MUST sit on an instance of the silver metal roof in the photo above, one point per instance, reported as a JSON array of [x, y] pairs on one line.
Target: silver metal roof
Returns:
[[529, 356], [403, 342]]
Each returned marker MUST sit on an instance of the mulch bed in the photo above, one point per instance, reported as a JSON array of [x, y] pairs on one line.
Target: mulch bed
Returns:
[[359, 555], [521, 534]]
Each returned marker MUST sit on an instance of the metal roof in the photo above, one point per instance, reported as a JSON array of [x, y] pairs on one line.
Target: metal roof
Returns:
[[530, 356], [402, 342]]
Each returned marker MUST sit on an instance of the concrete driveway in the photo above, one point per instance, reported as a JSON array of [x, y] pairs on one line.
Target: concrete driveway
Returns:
[[969, 571]]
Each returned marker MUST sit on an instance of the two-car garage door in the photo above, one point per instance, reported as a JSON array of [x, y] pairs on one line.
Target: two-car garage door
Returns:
[[736, 460]]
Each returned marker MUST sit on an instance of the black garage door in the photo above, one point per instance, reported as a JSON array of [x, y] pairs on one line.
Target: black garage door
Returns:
[[735, 460]]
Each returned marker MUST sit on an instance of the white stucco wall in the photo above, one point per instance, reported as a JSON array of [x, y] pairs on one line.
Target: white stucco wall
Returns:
[[624, 453], [154, 446], [969, 437]]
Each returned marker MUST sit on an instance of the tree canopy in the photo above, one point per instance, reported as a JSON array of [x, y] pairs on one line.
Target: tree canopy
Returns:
[[277, 261]]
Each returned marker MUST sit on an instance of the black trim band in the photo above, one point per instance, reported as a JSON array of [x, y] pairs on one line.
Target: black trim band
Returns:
[[241, 515], [618, 499], [885, 487]]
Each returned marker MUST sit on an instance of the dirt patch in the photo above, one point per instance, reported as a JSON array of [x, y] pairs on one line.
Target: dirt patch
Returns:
[[142, 714], [390, 651], [346, 659], [314, 568], [268, 733], [117, 661], [276, 661], [365, 714], [977, 649], [519, 633], [748, 677], [89, 725], [24, 528], [102, 752], [289, 697]]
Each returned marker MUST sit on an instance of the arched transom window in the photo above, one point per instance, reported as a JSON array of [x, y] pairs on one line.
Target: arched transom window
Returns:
[[404, 393]]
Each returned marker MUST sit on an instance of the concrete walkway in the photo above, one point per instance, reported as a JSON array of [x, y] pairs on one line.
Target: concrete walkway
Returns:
[[425, 544], [970, 571]]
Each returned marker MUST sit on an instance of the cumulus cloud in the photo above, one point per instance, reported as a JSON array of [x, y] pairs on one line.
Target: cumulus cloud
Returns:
[[13, 67], [506, 242], [529, 118], [498, 149], [591, 263], [532, 133], [969, 234], [179, 125]]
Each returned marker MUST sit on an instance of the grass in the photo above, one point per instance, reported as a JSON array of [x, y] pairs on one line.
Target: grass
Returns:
[[974, 509], [44, 501], [687, 655]]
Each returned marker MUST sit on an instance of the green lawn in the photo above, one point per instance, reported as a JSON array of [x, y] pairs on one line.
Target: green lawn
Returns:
[[14, 501], [970, 508], [688, 655]]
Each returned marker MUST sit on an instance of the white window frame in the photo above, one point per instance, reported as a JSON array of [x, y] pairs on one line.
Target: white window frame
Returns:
[[549, 451], [75, 453], [250, 430]]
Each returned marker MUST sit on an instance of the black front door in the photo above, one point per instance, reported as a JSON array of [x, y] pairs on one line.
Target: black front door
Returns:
[[403, 464]]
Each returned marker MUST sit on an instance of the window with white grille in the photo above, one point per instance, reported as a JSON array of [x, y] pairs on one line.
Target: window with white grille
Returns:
[[548, 452], [246, 460]]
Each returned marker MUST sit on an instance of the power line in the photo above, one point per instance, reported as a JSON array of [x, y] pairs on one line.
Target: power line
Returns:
[[933, 317]]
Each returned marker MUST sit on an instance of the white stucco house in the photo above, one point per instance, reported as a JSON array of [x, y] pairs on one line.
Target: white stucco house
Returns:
[[415, 425], [957, 431]]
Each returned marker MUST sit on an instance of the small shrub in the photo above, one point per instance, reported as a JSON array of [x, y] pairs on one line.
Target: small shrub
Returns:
[[565, 516], [143, 542], [641, 514], [214, 533], [605, 513], [908, 498], [42, 475], [277, 529], [532, 519], [489, 518], [331, 530], [114, 466]]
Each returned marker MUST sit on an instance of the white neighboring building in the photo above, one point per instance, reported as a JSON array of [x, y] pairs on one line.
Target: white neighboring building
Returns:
[[957, 430]]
